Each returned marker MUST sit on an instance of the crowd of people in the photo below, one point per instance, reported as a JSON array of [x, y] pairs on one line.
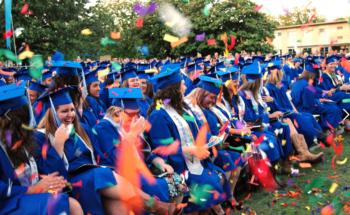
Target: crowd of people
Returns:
[[196, 123]]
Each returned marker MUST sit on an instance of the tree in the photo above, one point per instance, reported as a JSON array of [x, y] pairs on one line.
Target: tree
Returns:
[[237, 18], [300, 16]]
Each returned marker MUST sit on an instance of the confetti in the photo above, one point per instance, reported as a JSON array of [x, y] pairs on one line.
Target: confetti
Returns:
[[7, 34], [169, 38], [333, 187], [304, 165], [257, 8], [25, 54], [211, 42], [86, 32], [24, 9], [179, 42], [342, 162], [78, 184], [200, 37], [139, 23], [167, 150], [16, 145], [105, 41], [37, 66], [206, 9], [44, 151], [141, 10]]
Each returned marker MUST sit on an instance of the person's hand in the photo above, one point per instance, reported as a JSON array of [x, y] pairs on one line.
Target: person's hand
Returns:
[[137, 127], [52, 183], [276, 114], [61, 136], [267, 98], [246, 131], [325, 100]]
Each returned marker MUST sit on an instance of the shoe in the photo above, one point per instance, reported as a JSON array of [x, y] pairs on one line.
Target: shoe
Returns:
[[304, 154]]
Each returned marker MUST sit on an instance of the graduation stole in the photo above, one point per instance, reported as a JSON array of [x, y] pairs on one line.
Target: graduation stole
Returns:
[[197, 111], [225, 107], [222, 118], [193, 164], [333, 79]]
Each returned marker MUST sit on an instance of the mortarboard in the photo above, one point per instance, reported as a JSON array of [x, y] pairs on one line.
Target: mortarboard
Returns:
[[128, 72], [12, 97], [67, 68], [209, 84], [169, 75], [37, 87], [231, 73], [193, 67], [252, 71], [126, 98], [59, 97], [258, 58], [113, 75], [91, 77], [46, 75], [274, 64], [331, 59]]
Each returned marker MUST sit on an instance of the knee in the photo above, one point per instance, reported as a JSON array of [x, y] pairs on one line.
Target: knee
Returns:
[[74, 207]]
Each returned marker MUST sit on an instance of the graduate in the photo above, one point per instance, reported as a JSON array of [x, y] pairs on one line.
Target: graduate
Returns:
[[22, 190], [46, 78], [124, 113], [306, 98], [280, 102], [288, 70], [334, 87], [35, 90], [93, 98], [67, 141], [174, 121], [112, 80], [146, 87], [202, 101]]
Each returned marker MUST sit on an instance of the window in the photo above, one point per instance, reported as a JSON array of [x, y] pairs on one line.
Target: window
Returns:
[[324, 50], [308, 50], [339, 27], [291, 51], [321, 30], [279, 33], [340, 37]]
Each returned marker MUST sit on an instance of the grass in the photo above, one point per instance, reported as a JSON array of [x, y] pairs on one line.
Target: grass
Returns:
[[262, 201]]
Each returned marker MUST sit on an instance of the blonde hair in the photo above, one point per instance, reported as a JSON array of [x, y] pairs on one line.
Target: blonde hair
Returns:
[[50, 127], [275, 79]]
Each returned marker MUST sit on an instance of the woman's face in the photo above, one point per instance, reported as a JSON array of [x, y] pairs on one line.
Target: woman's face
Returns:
[[94, 89], [128, 116], [143, 85], [66, 113], [133, 82], [47, 81], [183, 87], [331, 67], [209, 100], [33, 95]]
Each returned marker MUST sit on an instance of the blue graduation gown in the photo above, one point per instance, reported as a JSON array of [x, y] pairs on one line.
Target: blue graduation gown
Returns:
[[287, 75], [271, 146], [13, 197], [306, 99], [163, 131], [104, 97], [92, 179], [144, 105], [338, 96], [313, 130], [189, 84], [97, 106], [108, 140], [39, 113]]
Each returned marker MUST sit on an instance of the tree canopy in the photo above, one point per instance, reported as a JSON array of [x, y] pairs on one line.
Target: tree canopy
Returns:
[[57, 25], [299, 16]]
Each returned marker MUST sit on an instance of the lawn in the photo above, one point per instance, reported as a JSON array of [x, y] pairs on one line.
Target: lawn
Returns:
[[294, 198]]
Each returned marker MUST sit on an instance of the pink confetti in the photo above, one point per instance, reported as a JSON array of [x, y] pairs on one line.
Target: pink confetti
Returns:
[[78, 184]]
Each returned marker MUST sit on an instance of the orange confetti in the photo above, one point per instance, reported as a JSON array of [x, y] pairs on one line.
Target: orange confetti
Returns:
[[215, 152], [148, 126], [179, 42], [305, 165], [44, 151], [16, 145], [20, 169], [168, 149], [328, 210], [115, 35]]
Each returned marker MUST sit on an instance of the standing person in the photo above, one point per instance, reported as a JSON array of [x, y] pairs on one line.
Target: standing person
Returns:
[[174, 121], [21, 189]]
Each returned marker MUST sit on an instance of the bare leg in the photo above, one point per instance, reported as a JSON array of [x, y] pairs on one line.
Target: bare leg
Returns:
[[74, 207], [292, 128], [113, 207]]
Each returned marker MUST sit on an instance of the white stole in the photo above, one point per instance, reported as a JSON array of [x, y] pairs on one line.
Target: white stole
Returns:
[[186, 137]]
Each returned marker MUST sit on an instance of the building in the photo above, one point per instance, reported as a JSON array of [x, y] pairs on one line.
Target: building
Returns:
[[313, 38]]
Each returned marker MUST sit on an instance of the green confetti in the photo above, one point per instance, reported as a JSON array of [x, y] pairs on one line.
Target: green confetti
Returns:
[[238, 148], [36, 67], [345, 101], [116, 66], [200, 193], [188, 118], [347, 194], [167, 141], [105, 41], [115, 141], [9, 55], [318, 182], [94, 131], [206, 9]]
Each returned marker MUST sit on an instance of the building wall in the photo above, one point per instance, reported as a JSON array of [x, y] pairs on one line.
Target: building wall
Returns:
[[316, 37]]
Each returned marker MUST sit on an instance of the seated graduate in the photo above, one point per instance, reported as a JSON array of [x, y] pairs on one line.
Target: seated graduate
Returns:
[[67, 141], [112, 80], [256, 114], [24, 187], [276, 97], [46, 78], [123, 115], [173, 120], [333, 87], [93, 94], [202, 101], [35, 90], [307, 98], [146, 87]]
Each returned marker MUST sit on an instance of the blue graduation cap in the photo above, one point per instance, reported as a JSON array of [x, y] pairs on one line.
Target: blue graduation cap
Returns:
[[231, 73], [143, 67], [274, 64], [206, 63], [252, 71], [37, 87], [169, 75], [67, 68], [46, 75], [113, 75], [12, 97], [126, 98], [258, 58], [159, 64], [23, 75], [193, 67], [129, 72], [199, 60], [331, 59], [130, 64], [209, 84], [142, 75], [311, 67], [298, 60], [57, 56], [218, 66], [59, 97], [287, 56], [91, 77]]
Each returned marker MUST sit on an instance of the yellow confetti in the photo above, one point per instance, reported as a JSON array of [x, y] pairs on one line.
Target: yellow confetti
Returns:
[[342, 162], [169, 38], [248, 147], [25, 54], [159, 104], [333, 187], [103, 72], [308, 208], [86, 32], [179, 42], [242, 134], [151, 71], [284, 142]]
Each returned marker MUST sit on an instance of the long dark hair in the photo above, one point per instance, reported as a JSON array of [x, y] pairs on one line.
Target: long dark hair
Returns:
[[16, 136], [74, 81], [173, 93]]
